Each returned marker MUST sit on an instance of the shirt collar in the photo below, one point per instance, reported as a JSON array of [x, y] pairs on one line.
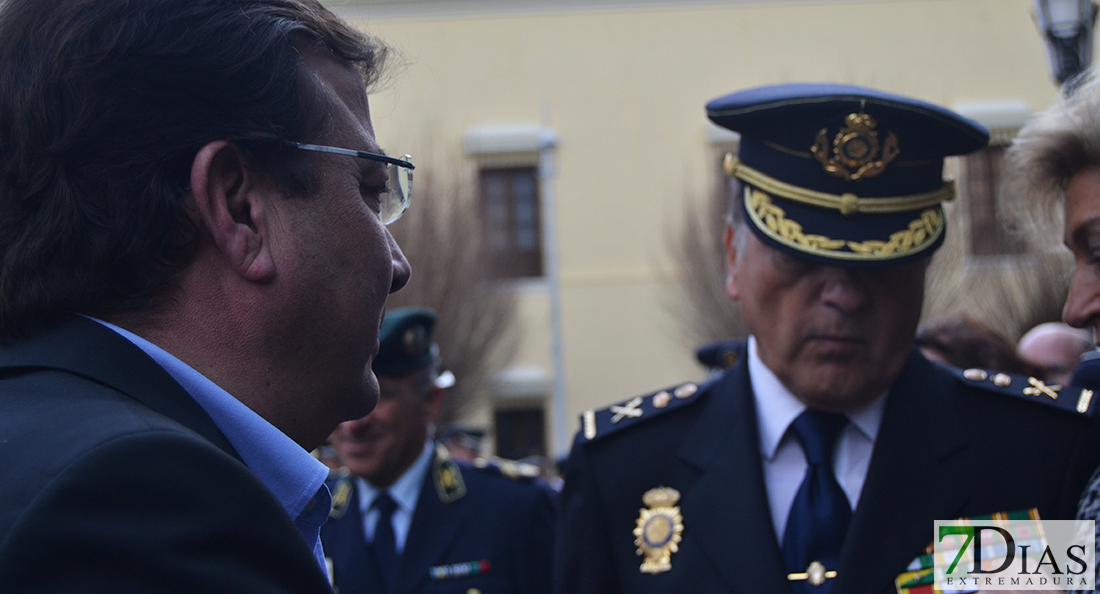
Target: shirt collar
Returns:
[[777, 408], [405, 491], [291, 473], [868, 419]]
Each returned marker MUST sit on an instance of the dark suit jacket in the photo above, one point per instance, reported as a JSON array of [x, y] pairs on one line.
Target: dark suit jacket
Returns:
[[508, 523], [115, 480], [944, 450]]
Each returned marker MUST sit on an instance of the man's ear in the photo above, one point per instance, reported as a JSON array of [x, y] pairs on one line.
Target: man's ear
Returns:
[[730, 241], [235, 208], [434, 400]]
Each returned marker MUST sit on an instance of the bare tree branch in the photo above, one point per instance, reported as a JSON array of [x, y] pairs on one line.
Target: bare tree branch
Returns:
[[442, 238], [700, 301]]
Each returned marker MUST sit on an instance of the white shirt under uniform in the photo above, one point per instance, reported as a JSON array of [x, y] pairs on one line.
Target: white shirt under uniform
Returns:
[[783, 459]]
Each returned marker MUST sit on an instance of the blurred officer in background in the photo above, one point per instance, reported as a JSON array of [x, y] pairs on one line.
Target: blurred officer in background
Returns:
[[407, 517], [819, 461], [716, 357], [464, 443]]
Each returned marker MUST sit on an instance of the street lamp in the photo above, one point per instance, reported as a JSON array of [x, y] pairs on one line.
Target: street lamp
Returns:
[[1067, 26]]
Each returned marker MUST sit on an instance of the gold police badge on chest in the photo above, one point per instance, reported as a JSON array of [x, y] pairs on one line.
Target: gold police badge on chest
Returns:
[[659, 529]]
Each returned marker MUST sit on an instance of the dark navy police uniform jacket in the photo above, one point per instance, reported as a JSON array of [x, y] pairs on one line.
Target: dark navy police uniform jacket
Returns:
[[493, 535], [951, 444]]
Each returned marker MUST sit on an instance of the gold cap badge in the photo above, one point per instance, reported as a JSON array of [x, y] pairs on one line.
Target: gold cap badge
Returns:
[[856, 149], [659, 529]]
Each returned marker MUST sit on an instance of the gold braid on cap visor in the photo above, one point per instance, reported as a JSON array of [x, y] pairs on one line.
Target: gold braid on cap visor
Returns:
[[847, 204], [921, 233]]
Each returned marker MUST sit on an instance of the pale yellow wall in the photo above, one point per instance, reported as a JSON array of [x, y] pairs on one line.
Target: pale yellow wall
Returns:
[[624, 89]]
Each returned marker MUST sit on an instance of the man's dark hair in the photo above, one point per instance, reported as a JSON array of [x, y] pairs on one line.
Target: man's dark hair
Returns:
[[966, 342], [103, 107]]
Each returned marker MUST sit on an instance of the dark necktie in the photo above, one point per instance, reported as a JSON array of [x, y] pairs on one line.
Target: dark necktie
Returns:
[[385, 543], [820, 513]]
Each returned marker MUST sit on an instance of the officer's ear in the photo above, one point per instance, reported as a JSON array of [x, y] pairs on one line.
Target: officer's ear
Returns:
[[733, 243], [434, 400]]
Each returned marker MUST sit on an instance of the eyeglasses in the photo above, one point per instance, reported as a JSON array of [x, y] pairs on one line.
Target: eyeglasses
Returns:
[[395, 200]]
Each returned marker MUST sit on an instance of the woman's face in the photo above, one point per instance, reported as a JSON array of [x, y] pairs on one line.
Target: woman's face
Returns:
[[1082, 236]]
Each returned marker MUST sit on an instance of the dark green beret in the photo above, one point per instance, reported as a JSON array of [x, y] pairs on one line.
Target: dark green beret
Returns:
[[405, 341]]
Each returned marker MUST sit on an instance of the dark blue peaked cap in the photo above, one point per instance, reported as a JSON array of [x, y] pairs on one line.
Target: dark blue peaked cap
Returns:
[[841, 174], [405, 341], [722, 354]]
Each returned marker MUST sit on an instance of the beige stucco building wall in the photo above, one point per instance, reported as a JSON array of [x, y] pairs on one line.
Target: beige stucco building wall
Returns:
[[621, 86]]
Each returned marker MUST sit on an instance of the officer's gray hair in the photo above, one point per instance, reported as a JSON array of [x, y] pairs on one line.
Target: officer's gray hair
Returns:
[[735, 216]]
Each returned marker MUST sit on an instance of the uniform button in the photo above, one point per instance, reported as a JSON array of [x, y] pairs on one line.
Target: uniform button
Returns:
[[975, 375], [661, 400], [685, 390]]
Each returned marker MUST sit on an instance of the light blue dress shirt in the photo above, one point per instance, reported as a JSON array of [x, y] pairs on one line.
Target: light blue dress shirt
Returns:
[[405, 491], [295, 477]]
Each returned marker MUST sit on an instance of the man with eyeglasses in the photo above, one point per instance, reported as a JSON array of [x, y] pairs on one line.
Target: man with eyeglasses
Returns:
[[194, 266]]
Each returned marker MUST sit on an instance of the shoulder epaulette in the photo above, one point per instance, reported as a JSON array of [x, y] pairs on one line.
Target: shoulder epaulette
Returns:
[[341, 496], [598, 423], [512, 469], [1072, 399], [447, 476]]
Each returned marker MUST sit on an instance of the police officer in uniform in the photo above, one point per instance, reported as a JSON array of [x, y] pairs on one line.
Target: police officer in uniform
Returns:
[[406, 517], [818, 461]]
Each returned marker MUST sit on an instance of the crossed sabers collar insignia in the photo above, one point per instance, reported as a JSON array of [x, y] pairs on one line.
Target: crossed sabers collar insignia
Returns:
[[1038, 388], [630, 409]]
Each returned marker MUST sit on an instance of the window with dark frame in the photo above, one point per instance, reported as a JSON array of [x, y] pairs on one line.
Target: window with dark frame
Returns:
[[510, 207], [990, 231]]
